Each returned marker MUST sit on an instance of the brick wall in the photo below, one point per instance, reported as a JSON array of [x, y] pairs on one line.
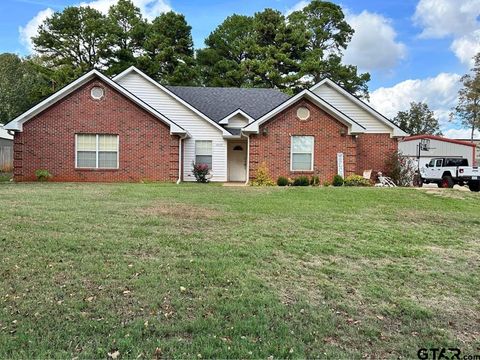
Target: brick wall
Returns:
[[147, 150], [373, 150], [330, 138]]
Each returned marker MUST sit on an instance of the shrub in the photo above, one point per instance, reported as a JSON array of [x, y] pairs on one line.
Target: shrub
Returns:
[[400, 169], [315, 180], [356, 180], [337, 180], [201, 171], [327, 183], [262, 177], [282, 181], [42, 175], [301, 181]]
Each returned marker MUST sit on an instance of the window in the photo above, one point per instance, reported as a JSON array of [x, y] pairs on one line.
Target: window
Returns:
[[303, 113], [95, 151], [438, 162], [431, 163], [97, 93], [456, 162], [302, 153], [203, 152]]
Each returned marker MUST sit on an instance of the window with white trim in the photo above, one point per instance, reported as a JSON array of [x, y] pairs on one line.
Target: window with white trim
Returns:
[[96, 151], [203, 152], [301, 158]]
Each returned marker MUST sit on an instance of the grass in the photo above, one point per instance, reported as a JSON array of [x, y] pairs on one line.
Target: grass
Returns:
[[4, 176], [153, 270]]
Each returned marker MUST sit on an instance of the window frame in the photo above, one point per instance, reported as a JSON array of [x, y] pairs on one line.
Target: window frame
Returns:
[[97, 151], [312, 153], [211, 152]]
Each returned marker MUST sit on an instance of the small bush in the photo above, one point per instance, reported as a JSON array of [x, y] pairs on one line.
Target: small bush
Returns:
[[327, 183], [400, 169], [42, 175], [262, 177], [337, 180], [201, 171], [356, 180], [282, 181], [315, 180], [301, 181]]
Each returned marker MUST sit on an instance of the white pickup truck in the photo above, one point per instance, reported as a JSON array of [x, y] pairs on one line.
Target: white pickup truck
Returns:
[[447, 172]]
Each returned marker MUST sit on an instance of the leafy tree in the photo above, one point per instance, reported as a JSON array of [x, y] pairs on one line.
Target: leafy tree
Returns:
[[168, 50], [268, 50], [125, 36], [467, 110], [327, 34], [74, 39], [220, 63], [21, 86], [273, 52], [418, 120]]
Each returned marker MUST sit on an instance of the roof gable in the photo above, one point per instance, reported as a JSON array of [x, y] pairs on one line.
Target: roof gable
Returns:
[[167, 90], [353, 126], [369, 117], [17, 123]]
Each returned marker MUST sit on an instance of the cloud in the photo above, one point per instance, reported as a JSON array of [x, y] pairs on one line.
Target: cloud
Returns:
[[466, 47], [149, 8], [461, 134], [451, 18], [298, 6], [30, 30], [440, 93], [373, 32]]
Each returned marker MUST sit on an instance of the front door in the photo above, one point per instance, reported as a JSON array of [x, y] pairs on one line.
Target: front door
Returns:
[[237, 161]]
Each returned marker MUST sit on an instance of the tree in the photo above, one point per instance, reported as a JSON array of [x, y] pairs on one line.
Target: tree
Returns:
[[168, 50], [467, 110], [220, 63], [125, 36], [21, 86], [73, 40], [418, 120], [327, 34], [269, 50]]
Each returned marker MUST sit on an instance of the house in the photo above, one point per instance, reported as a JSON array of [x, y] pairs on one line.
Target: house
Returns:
[[437, 146], [6, 150], [131, 128]]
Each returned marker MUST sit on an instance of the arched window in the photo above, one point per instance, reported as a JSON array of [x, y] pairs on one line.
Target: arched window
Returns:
[[238, 148]]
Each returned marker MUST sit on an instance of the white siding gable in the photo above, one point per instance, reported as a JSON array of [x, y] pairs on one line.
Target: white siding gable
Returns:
[[197, 127], [355, 112], [237, 121]]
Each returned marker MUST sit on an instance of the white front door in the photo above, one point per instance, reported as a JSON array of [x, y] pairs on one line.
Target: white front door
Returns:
[[237, 161]]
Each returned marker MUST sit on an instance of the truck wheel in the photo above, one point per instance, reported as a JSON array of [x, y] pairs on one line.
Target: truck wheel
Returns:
[[447, 182], [474, 186]]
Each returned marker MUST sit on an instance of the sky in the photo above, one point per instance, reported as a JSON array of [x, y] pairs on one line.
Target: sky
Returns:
[[415, 50]]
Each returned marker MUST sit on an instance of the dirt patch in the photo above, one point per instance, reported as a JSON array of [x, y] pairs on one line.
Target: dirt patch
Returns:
[[181, 211]]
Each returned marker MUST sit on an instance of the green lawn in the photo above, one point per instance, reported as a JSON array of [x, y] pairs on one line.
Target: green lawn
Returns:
[[152, 270]]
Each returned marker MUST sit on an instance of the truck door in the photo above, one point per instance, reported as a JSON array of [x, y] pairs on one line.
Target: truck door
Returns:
[[438, 169]]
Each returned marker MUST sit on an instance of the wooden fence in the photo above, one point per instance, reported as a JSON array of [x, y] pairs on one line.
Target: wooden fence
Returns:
[[6, 158]]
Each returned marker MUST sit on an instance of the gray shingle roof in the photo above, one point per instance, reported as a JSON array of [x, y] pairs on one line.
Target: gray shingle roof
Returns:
[[217, 102]]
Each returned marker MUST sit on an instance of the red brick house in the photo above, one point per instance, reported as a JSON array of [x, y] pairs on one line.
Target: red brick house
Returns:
[[131, 128]]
